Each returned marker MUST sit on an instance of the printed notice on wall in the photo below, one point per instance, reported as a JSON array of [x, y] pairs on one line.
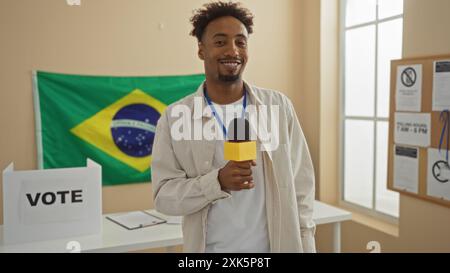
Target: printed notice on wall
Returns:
[[441, 85], [406, 169], [438, 177], [412, 129], [408, 95]]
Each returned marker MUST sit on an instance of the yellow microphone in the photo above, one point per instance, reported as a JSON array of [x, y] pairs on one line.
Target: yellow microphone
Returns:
[[238, 146]]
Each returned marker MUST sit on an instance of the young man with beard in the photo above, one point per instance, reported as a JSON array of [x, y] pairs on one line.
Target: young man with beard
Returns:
[[263, 205]]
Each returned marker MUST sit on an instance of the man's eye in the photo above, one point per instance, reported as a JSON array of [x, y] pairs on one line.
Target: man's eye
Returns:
[[241, 43], [219, 43]]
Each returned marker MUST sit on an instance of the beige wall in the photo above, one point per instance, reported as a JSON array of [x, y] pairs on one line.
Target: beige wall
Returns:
[[423, 226], [114, 37], [308, 97], [318, 96], [329, 100], [425, 33]]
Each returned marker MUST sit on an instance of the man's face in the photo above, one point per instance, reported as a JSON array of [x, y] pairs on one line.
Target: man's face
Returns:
[[224, 49]]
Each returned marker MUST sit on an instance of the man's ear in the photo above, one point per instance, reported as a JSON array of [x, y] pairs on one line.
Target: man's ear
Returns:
[[201, 51]]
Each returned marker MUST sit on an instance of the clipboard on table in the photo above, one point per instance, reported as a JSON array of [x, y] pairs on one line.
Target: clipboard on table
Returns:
[[135, 219]]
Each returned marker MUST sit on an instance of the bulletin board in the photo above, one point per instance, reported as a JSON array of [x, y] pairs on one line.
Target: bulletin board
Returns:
[[415, 157]]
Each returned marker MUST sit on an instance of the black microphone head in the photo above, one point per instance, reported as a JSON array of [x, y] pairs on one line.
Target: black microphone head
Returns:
[[238, 130]]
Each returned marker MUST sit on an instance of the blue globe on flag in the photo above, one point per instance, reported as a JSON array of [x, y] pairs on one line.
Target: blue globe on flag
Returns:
[[133, 129]]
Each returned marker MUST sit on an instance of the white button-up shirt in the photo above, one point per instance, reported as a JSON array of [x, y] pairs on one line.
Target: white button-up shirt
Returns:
[[186, 184]]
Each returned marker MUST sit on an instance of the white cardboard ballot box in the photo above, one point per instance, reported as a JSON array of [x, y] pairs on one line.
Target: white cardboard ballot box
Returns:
[[51, 204]]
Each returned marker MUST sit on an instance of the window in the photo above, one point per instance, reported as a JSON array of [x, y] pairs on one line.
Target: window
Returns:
[[371, 36]]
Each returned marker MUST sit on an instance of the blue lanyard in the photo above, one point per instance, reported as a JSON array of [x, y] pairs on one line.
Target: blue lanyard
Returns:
[[445, 118], [219, 120]]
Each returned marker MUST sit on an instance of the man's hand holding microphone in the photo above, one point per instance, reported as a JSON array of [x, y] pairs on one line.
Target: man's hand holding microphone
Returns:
[[236, 175]]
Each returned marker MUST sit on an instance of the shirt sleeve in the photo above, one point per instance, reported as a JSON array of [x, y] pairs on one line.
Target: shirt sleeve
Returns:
[[303, 170]]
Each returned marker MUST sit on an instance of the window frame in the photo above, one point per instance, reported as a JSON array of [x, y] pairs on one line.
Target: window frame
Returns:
[[373, 212]]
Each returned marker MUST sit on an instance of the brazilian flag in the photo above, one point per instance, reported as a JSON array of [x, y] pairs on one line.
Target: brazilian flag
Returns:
[[111, 120]]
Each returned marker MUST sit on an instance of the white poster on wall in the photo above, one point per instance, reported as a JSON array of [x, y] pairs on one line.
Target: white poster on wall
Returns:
[[441, 85], [406, 169], [438, 178], [408, 95], [51, 204], [412, 129]]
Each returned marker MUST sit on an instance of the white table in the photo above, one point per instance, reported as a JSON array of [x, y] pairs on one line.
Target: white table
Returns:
[[326, 214], [118, 239]]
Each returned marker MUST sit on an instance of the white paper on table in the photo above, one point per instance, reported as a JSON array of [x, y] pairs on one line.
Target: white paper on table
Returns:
[[406, 168], [135, 219], [441, 85], [175, 220], [412, 129], [408, 96], [438, 175]]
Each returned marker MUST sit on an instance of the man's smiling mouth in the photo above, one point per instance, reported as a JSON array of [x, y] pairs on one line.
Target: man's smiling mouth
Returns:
[[230, 63]]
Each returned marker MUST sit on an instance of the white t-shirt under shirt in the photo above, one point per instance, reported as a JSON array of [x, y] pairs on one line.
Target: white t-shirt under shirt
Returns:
[[238, 223]]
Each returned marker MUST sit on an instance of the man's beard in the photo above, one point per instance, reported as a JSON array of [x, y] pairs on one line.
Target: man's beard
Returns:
[[229, 78]]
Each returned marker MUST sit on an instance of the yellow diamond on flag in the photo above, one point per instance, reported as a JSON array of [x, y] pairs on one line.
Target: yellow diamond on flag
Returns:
[[125, 129]]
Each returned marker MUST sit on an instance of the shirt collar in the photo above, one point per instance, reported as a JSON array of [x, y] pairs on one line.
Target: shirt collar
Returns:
[[253, 98]]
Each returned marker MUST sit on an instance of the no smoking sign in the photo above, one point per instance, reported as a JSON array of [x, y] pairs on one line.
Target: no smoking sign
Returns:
[[409, 77]]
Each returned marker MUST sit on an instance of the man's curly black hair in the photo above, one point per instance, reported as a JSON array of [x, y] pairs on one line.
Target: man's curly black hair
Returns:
[[214, 10]]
